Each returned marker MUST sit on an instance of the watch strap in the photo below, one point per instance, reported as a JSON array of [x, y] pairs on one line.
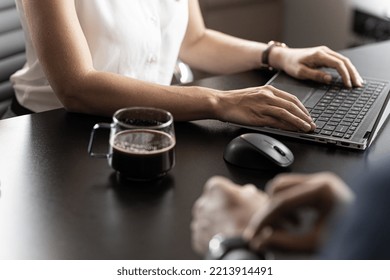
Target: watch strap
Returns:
[[267, 51]]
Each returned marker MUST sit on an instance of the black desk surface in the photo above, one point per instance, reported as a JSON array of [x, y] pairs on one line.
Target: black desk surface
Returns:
[[58, 203]]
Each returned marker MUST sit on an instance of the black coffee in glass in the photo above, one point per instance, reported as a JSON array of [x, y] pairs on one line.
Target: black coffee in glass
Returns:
[[142, 154]]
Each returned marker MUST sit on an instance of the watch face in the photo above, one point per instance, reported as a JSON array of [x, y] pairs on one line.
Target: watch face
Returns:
[[219, 246], [216, 248]]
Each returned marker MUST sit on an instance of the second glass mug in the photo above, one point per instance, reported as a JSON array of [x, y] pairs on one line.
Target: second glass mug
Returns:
[[141, 145]]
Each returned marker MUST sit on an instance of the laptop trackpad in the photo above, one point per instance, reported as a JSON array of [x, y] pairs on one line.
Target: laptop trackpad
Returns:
[[301, 92]]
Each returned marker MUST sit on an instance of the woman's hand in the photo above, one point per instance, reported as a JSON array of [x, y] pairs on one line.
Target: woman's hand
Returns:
[[305, 64], [279, 224], [224, 208], [264, 106]]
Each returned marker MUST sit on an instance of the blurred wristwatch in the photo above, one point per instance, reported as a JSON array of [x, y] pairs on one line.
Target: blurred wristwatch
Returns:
[[267, 51], [219, 246]]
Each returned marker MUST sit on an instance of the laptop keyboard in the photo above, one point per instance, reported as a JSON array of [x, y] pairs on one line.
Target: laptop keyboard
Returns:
[[338, 111]]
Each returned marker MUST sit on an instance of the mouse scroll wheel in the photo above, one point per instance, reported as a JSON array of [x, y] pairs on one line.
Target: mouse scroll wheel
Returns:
[[279, 150]]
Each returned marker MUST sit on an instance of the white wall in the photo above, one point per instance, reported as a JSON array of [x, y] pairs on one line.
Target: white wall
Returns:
[[317, 22]]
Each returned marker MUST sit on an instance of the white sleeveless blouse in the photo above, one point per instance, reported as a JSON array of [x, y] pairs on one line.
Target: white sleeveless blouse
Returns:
[[136, 38]]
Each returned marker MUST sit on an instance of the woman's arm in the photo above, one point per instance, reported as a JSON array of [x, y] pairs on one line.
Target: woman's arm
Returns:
[[64, 54], [219, 53], [215, 52]]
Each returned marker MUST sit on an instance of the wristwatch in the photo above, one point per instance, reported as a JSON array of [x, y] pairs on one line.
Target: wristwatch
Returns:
[[219, 246], [267, 51]]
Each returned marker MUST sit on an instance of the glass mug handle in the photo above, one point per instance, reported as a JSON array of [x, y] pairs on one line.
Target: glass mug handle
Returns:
[[90, 145]]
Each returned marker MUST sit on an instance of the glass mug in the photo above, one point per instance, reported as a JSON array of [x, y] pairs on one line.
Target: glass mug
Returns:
[[141, 145]]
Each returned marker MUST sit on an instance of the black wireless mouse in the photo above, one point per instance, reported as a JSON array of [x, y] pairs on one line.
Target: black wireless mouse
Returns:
[[258, 151]]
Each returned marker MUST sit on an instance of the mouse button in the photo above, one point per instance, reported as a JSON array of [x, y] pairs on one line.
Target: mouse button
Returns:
[[284, 161], [287, 152], [255, 140], [290, 156], [281, 154], [264, 144], [279, 150], [275, 155]]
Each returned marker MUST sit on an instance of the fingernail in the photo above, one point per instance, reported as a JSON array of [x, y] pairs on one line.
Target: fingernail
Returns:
[[307, 126], [327, 78], [313, 125]]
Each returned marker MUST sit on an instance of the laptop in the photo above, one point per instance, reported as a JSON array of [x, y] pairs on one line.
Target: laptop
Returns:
[[349, 118]]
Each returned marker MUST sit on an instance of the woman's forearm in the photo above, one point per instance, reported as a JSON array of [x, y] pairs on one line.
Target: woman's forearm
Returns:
[[220, 53], [102, 93]]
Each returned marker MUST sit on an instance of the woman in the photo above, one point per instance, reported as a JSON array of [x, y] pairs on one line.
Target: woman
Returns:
[[98, 56]]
